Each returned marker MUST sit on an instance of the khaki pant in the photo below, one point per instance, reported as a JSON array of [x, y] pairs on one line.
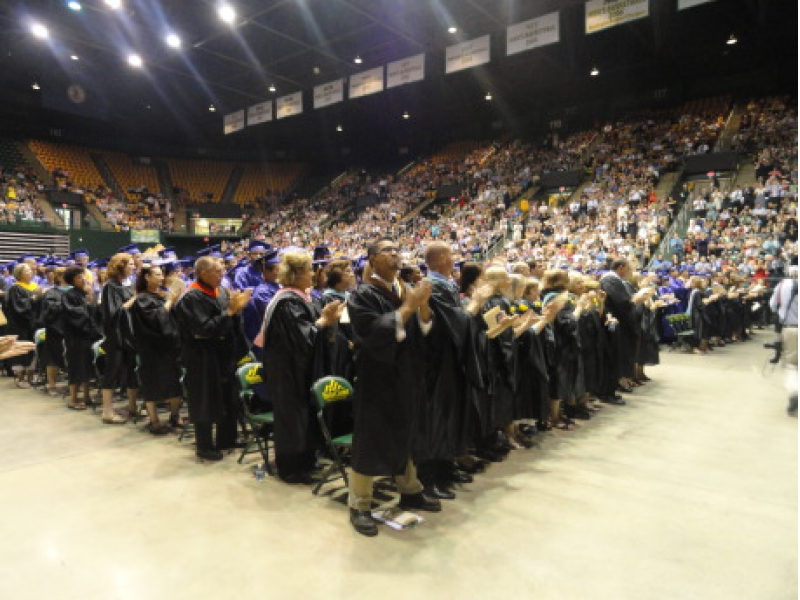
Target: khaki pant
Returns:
[[789, 335], [360, 496]]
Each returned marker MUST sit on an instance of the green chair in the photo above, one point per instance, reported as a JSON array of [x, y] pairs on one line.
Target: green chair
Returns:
[[99, 362], [41, 375], [248, 376], [325, 394]]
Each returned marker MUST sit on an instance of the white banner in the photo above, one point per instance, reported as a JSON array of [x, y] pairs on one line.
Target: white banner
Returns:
[[683, 4], [328, 93], [467, 54], [290, 105], [404, 71], [233, 122], [602, 14], [527, 35], [259, 113], [366, 82]]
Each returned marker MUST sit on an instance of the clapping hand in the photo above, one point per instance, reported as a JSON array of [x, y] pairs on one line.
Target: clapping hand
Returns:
[[238, 301], [331, 314]]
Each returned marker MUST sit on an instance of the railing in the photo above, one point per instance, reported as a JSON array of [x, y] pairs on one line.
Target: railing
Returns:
[[680, 224]]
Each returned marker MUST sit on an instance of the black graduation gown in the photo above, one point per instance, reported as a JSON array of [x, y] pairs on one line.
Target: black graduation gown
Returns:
[[590, 335], [501, 369], [80, 331], [389, 382], [565, 379], [619, 304], [21, 310], [157, 345], [294, 357], [120, 365], [210, 352], [530, 399], [445, 431], [698, 319], [648, 338], [342, 356], [51, 317]]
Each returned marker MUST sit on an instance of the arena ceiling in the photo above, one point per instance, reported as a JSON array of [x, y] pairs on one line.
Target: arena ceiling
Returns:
[[292, 45]]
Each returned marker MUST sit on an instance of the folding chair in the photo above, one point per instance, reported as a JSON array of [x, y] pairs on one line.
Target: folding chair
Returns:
[[249, 375], [325, 394]]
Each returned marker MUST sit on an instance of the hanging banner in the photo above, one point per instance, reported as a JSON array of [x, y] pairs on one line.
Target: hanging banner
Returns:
[[259, 113], [290, 105], [328, 93], [404, 71], [602, 14], [366, 82], [467, 54], [535, 33], [683, 4], [233, 122]]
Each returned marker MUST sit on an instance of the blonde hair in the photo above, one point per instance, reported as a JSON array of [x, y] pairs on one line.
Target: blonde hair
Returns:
[[517, 285], [531, 283], [292, 264], [19, 269], [117, 264], [495, 276], [555, 279]]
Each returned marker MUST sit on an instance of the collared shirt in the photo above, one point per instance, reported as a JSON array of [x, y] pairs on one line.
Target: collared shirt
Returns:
[[400, 330]]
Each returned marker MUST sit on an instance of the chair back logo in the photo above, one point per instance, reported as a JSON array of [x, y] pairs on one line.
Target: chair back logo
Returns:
[[334, 390], [252, 376]]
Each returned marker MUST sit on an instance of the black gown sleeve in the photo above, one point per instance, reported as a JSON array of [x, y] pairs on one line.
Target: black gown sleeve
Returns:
[[21, 305], [374, 327], [202, 318], [152, 322]]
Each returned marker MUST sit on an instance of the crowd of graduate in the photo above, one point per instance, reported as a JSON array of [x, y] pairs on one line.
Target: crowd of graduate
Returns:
[[454, 366]]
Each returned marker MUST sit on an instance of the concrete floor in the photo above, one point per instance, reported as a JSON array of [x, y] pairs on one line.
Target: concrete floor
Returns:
[[689, 492]]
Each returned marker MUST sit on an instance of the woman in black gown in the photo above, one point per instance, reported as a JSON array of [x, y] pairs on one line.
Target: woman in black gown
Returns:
[[295, 339], [156, 338], [22, 312], [696, 310], [120, 368], [80, 332], [52, 355]]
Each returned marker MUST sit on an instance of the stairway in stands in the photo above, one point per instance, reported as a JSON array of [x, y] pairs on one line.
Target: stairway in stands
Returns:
[[164, 178], [229, 193], [14, 244], [108, 175]]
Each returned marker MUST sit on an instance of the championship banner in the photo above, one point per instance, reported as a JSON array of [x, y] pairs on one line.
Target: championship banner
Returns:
[[404, 71], [535, 33], [233, 122], [328, 93], [366, 82], [602, 14], [145, 236], [290, 105], [467, 54], [259, 113], [684, 4]]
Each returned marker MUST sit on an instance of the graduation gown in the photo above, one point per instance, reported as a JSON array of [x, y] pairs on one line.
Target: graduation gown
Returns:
[[120, 367], [696, 312], [247, 277], [210, 352], [253, 313], [80, 332], [22, 311], [566, 380], [51, 317], [619, 304], [591, 339], [530, 400], [501, 369], [648, 353], [389, 382], [157, 345], [445, 415], [294, 357], [342, 359]]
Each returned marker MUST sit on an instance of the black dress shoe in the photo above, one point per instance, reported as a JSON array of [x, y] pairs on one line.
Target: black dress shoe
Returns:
[[211, 455], [419, 502], [363, 523], [491, 455], [298, 479], [474, 468], [529, 430], [457, 476], [438, 492], [626, 390], [612, 400]]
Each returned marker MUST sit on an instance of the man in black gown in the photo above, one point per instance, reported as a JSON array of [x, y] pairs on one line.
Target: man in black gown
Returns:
[[212, 343], [390, 368]]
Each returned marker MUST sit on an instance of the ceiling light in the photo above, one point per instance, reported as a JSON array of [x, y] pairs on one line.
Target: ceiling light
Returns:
[[74, 5], [36, 86], [74, 56], [339, 128], [316, 70], [115, 4], [406, 115], [212, 108], [272, 88], [39, 31], [226, 13], [488, 95], [358, 60], [594, 72], [134, 60], [452, 30], [731, 40], [173, 41]]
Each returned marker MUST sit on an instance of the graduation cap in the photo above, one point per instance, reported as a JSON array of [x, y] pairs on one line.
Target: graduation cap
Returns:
[[321, 256], [100, 263], [270, 258], [52, 262], [187, 261], [79, 253], [130, 249], [168, 253], [213, 251], [25, 257], [258, 246], [423, 268]]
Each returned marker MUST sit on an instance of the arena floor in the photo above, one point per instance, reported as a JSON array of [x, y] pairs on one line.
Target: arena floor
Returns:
[[689, 492]]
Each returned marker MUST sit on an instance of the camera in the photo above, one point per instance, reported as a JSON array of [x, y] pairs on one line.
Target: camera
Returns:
[[777, 346]]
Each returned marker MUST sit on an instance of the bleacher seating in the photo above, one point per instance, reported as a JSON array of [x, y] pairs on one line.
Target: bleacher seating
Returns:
[[204, 180], [131, 176], [260, 180], [74, 162]]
